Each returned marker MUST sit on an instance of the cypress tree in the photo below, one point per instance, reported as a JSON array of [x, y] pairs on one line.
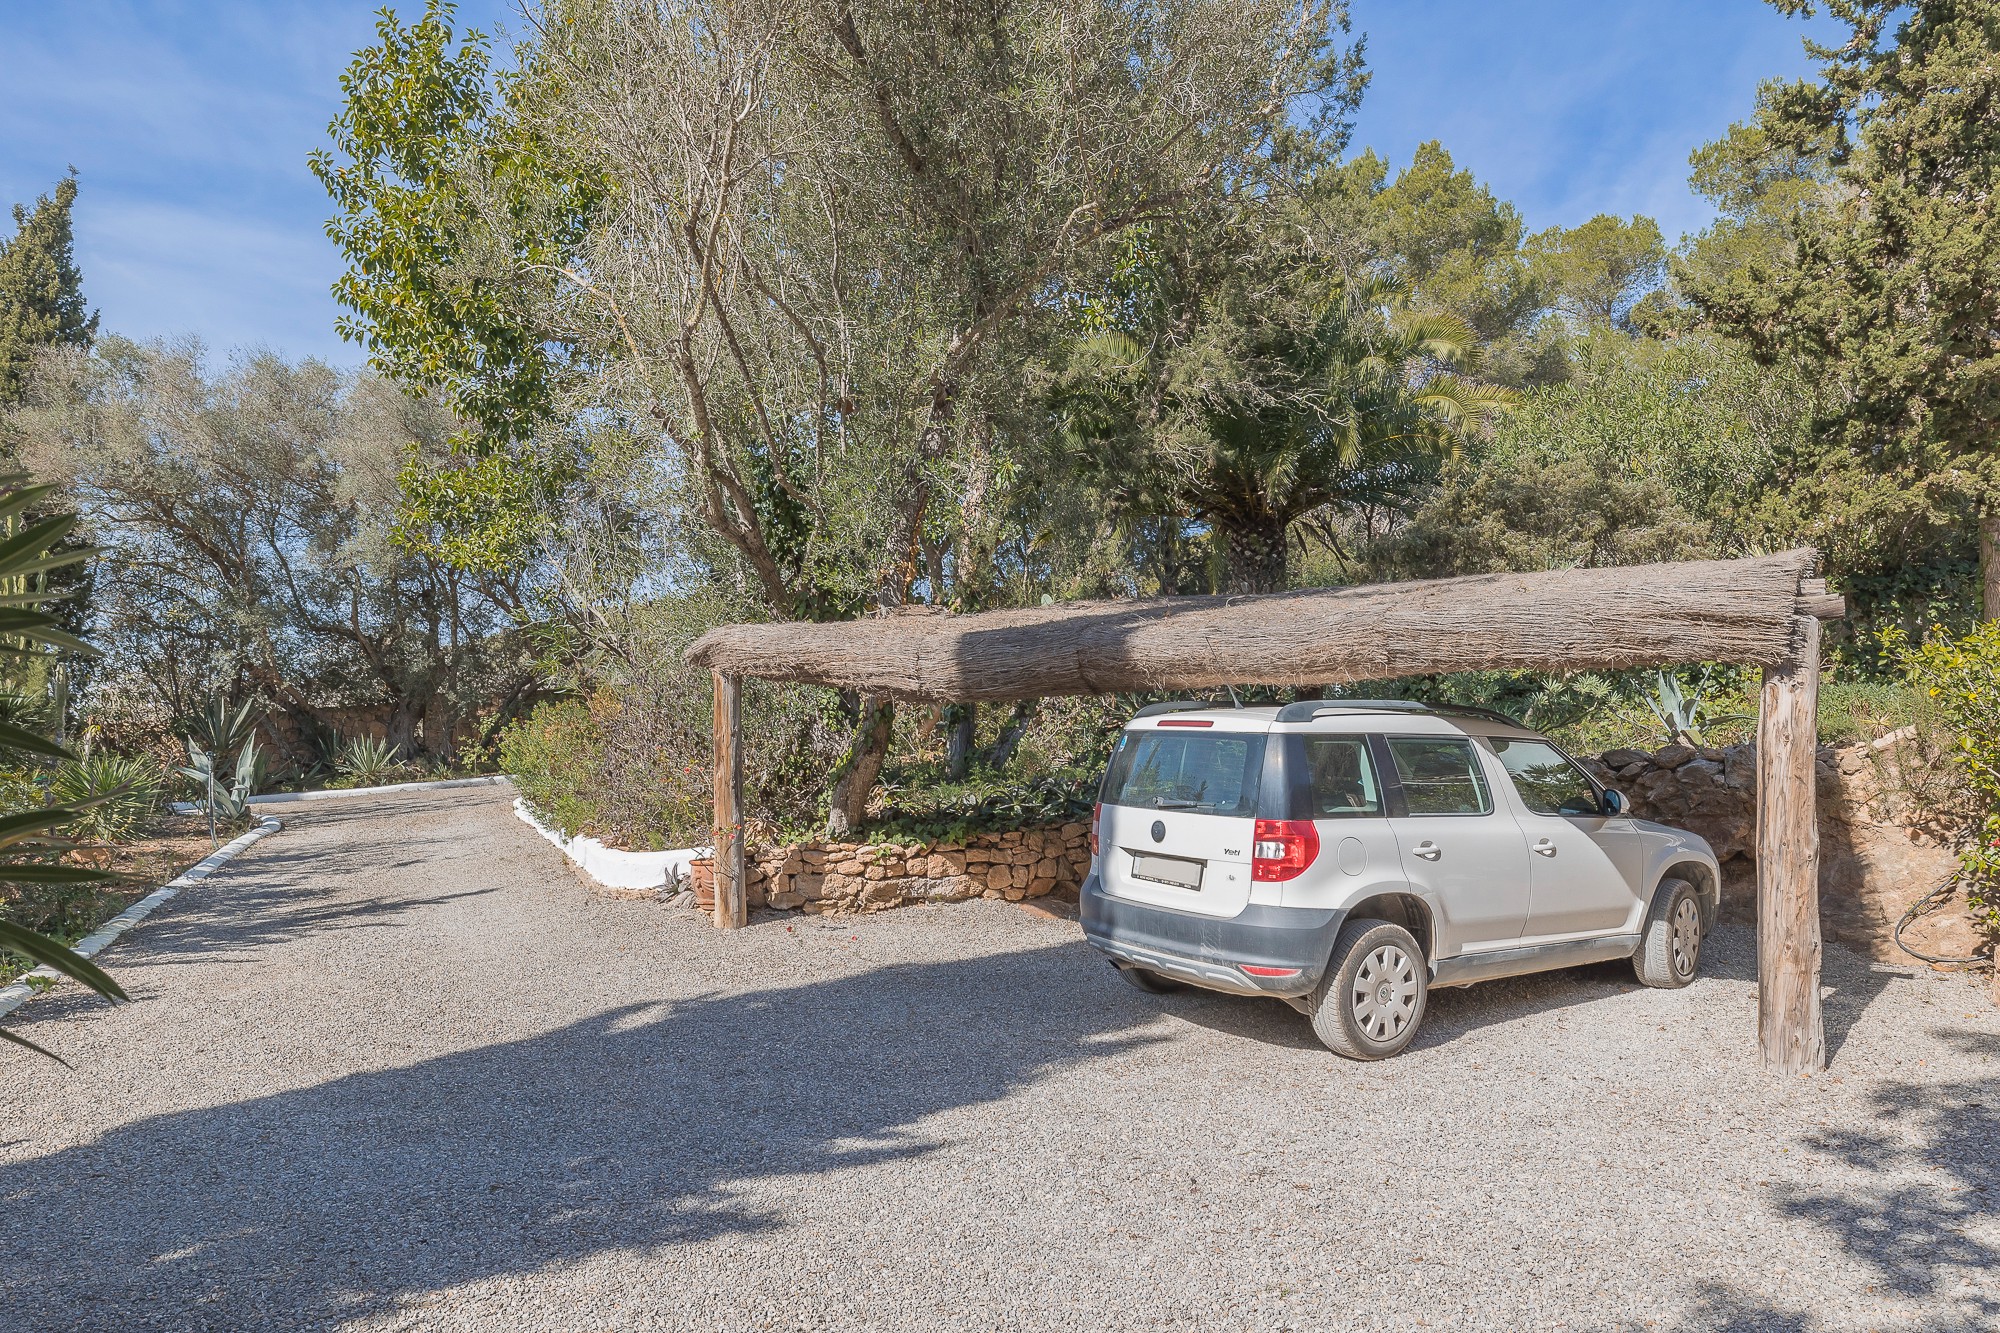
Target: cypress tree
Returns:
[[41, 288]]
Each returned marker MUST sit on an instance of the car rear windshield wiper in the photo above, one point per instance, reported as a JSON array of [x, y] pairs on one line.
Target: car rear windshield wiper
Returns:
[[1179, 805]]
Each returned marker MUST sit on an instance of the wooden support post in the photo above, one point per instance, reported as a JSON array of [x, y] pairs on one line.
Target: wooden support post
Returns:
[[1789, 1027], [732, 889]]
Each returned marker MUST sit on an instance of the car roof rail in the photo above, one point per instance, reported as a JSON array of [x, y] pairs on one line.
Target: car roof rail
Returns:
[[1307, 709], [1171, 706], [1490, 714]]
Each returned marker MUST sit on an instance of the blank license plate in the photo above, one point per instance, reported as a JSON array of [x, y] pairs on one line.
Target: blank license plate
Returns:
[[1167, 870]]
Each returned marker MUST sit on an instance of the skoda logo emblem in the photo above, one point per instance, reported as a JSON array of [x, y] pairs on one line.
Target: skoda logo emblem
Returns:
[[1159, 831]]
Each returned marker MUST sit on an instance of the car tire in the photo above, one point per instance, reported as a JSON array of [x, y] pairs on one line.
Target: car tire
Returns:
[[1669, 955], [1371, 1000], [1151, 982]]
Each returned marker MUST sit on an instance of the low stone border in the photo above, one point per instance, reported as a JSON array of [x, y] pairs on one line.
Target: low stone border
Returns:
[[610, 867], [20, 992]]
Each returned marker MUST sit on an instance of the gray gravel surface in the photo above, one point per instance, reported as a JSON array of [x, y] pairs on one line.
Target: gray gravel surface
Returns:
[[397, 1069]]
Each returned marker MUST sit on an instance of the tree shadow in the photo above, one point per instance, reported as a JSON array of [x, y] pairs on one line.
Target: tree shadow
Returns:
[[635, 1127], [1911, 1236]]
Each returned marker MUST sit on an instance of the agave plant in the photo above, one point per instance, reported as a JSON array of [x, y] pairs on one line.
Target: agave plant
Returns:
[[1681, 711], [225, 798], [220, 729], [370, 763], [114, 792], [27, 851]]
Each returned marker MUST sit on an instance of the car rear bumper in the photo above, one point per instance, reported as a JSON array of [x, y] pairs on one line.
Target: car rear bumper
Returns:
[[1212, 951]]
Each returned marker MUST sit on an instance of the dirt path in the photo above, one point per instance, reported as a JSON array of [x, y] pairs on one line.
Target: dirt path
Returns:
[[396, 1069]]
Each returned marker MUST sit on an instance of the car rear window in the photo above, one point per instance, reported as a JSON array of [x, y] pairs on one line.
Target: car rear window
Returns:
[[1211, 773]]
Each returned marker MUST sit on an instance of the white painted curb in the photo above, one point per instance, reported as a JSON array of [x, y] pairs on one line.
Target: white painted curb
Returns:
[[19, 993], [610, 867], [334, 793]]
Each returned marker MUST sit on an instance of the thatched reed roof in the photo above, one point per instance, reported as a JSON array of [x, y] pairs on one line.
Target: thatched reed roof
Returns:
[[1562, 620]]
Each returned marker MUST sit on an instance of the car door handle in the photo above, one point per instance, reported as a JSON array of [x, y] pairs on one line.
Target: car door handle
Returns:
[[1427, 849], [1545, 847]]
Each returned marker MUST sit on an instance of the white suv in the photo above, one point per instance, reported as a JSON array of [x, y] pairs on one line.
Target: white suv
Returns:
[[1346, 856]]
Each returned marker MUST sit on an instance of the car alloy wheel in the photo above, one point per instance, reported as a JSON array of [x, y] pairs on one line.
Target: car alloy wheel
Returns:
[[1687, 937], [1384, 994]]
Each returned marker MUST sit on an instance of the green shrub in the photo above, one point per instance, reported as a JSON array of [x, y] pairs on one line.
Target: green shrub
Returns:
[[1960, 677], [136, 780], [554, 755], [984, 803]]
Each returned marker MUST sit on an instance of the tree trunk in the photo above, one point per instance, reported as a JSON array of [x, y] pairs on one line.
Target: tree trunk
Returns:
[[1010, 736], [1256, 554], [964, 720], [1989, 564], [856, 781]]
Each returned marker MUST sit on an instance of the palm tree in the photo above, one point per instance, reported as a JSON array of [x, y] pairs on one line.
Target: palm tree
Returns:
[[1265, 411], [29, 549]]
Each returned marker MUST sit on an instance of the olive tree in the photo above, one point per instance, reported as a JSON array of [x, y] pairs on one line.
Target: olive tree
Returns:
[[804, 242]]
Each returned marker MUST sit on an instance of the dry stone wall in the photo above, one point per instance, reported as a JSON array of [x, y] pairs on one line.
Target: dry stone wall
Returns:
[[1875, 858], [870, 877]]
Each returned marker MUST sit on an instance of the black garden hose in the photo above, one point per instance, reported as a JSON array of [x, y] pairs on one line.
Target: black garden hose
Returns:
[[1917, 909]]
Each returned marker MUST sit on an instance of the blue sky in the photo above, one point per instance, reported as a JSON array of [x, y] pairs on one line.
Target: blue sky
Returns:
[[189, 124]]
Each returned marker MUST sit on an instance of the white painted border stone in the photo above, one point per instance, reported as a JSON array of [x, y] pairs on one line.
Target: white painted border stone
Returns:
[[19, 993], [609, 866], [333, 793]]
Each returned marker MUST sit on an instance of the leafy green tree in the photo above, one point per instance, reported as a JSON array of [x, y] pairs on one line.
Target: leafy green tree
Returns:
[[1891, 289], [41, 288]]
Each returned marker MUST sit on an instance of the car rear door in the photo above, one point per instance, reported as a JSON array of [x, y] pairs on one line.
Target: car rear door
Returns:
[[1456, 842], [1585, 864], [1178, 810]]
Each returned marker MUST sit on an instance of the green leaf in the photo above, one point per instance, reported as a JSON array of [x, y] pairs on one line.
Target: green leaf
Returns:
[[36, 872], [50, 953], [20, 738]]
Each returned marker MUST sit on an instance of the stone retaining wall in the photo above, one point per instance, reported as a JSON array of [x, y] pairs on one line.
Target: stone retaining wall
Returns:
[[869, 877], [1875, 859]]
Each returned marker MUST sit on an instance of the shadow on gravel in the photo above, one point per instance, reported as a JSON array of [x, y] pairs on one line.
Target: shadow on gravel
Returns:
[[248, 918], [632, 1128], [1908, 1234]]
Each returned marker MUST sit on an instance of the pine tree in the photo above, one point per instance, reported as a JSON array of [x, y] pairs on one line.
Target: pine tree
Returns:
[[1891, 288], [41, 288]]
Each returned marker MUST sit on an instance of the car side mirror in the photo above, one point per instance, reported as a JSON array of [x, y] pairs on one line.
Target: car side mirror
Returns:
[[1615, 802]]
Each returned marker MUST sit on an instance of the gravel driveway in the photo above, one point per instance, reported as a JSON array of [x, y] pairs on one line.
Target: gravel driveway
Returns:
[[397, 1069]]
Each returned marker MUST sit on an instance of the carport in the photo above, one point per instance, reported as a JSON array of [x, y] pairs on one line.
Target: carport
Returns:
[[1762, 611]]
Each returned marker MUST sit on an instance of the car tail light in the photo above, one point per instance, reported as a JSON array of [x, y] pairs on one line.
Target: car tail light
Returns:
[[1283, 849], [1096, 813], [1186, 722], [1270, 971]]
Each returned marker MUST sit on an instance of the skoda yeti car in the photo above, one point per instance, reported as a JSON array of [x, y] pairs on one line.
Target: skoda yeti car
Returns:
[[1348, 856]]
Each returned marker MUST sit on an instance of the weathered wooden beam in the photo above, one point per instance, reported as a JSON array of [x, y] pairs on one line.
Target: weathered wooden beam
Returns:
[[1817, 602], [732, 890], [1553, 620], [1790, 1029]]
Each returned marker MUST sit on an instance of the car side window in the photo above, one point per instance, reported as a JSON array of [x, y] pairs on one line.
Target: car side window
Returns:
[[1548, 782], [1343, 778], [1440, 775]]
